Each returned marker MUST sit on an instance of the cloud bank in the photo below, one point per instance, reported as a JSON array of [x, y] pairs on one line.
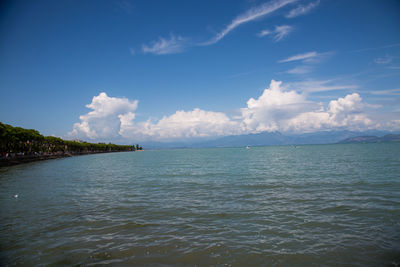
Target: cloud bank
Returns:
[[276, 109], [289, 111]]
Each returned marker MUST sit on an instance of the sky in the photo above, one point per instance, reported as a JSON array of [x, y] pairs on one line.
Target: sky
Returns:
[[129, 71]]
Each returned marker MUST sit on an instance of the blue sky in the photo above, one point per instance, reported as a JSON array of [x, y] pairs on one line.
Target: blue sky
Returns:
[[161, 70]]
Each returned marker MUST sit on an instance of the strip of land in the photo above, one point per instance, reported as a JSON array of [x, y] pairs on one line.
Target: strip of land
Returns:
[[19, 145]]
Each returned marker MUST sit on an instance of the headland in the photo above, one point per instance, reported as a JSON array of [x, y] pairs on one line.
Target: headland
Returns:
[[19, 145]]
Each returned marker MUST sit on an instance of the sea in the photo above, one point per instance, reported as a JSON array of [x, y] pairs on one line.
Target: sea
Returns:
[[309, 205]]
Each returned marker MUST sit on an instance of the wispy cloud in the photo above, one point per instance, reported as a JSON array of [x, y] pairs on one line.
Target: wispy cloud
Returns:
[[383, 60], [132, 51], [240, 74], [315, 86], [300, 70], [308, 60], [263, 33], [125, 6], [304, 56], [175, 44], [375, 48], [308, 57], [302, 9], [282, 31], [386, 92], [278, 33], [250, 15]]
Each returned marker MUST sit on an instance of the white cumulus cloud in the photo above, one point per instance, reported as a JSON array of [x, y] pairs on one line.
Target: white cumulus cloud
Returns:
[[188, 124], [278, 108], [281, 110], [345, 112], [274, 106], [106, 117]]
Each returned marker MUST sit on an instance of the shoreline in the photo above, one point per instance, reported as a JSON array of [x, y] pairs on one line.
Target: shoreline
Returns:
[[16, 160]]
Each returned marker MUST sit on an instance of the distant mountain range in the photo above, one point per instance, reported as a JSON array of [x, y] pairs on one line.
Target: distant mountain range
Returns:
[[277, 138], [372, 139]]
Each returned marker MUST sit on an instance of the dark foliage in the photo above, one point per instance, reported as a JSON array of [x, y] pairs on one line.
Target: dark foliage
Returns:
[[27, 141]]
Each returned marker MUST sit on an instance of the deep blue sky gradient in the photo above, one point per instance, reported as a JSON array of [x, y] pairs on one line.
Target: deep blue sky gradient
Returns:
[[56, 55]]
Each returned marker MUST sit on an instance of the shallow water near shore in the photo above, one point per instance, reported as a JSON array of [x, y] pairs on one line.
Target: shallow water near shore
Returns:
[[311, 205]]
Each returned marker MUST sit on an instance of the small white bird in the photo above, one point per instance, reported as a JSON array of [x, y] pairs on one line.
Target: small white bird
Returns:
[[16, 196]]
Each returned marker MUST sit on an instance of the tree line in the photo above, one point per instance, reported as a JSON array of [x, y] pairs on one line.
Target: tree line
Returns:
[[20, 141]]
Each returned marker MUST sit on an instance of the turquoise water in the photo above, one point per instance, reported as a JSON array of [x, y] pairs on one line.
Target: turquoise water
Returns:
[[311, 205]]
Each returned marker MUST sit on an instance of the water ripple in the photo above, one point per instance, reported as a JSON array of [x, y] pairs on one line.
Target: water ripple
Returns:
[[319, 205]]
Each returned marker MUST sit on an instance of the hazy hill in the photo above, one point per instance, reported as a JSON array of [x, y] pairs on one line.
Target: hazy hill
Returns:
[[267, 139], [372, 139]]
